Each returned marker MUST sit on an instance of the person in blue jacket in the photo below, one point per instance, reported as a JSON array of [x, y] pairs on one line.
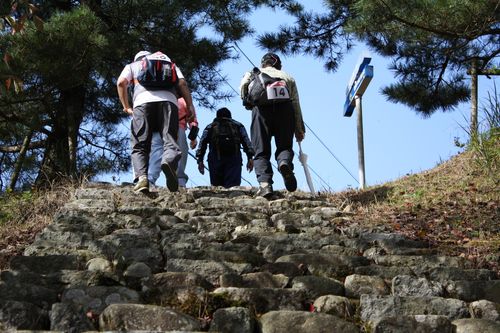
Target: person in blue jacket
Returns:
[[224, 137]]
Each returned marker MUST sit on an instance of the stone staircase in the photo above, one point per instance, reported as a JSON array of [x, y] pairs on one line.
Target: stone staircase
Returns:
[[210, 259]]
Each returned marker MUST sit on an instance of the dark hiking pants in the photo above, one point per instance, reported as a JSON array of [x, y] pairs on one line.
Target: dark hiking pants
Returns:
[[276, 121], [226, 170]]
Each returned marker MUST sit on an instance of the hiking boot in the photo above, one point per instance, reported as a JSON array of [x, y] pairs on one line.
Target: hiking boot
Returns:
[[142, 185], [288, 177], [171, 176], [265, 190]]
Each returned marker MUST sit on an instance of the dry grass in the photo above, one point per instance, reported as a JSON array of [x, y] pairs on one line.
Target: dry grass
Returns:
[[455, 207], [24, 215]]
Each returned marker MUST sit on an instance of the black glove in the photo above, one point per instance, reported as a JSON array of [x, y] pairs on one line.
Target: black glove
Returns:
[[193, 133], [246, 103]]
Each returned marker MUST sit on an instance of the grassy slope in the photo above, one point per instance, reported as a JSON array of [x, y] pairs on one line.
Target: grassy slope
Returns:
[[24, 215], [455, 206]]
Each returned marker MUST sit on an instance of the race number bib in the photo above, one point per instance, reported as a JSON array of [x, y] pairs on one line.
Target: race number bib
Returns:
[[277, 91]]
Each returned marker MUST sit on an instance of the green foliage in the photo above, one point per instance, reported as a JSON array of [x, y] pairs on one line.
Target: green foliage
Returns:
[[318, 34], [64, 53], [5, 8], [67, 67], [12, 206], [432, 43], [486, 145]]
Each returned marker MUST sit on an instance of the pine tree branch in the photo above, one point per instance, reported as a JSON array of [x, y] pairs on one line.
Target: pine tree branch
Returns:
[[18, 148], [438, 32], [92, 144]]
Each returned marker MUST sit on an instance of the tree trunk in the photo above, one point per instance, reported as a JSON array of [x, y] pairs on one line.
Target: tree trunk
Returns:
[[75, 106], [20, 159], [60, 158]]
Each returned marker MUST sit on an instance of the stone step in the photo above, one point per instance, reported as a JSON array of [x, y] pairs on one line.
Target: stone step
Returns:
[[222, 260]]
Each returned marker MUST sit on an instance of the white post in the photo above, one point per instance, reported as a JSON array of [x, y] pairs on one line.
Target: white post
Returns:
[[473, 111], [361, 148]]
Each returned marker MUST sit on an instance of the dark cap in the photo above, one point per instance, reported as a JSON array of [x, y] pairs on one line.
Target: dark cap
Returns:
[[271, 59], [223, 113]]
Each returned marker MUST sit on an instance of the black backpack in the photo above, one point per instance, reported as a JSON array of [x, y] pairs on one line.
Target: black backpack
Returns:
[[225, 137], [265, 90], [157, 73]]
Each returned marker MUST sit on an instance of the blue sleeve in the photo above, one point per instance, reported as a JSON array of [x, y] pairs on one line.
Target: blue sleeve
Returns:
[[245, 142], [202, 147]]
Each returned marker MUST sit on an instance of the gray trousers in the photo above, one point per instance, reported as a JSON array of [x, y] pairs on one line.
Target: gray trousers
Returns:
[[157, 152], [152, 117]]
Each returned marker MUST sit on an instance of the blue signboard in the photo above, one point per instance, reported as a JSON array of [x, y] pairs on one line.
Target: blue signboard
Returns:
[[363, 73]]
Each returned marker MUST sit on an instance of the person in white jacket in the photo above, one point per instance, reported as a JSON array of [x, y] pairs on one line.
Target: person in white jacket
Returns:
[[280, 116]]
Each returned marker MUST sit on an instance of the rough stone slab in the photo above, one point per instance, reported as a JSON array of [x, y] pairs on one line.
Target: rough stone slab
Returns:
[[235, 319], [397, 244], [52, 281], [376, 307], [174, 238], [91, 205], [422, 261], [327, 266], [95, 224], [251, 231], [29, 293], [443, 274], [301, 321], [356, 285], [254, 280], [143, 209], [404, 285], [134, 331], [315, 286], [339, 306], [470, 291], [252, 258], [340, 250], [211, 270], [69, 318], [296, 242], [472, 325], [176, 288], [22, 315], [177, 280], [258, 204], [93, 193], [145, 317], [60, 280], [46, 264], [485, 310], [263, 300], [97, 298], [215, 202], [405, 324], [286, 268], [385, 272]]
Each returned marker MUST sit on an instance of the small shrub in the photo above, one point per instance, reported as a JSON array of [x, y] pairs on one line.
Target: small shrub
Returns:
[[486, 145]]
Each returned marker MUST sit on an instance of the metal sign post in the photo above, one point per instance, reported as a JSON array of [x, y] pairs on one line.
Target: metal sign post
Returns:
[[361, 77]]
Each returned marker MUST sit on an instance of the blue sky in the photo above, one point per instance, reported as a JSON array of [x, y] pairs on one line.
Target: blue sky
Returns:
[[397, 141]]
